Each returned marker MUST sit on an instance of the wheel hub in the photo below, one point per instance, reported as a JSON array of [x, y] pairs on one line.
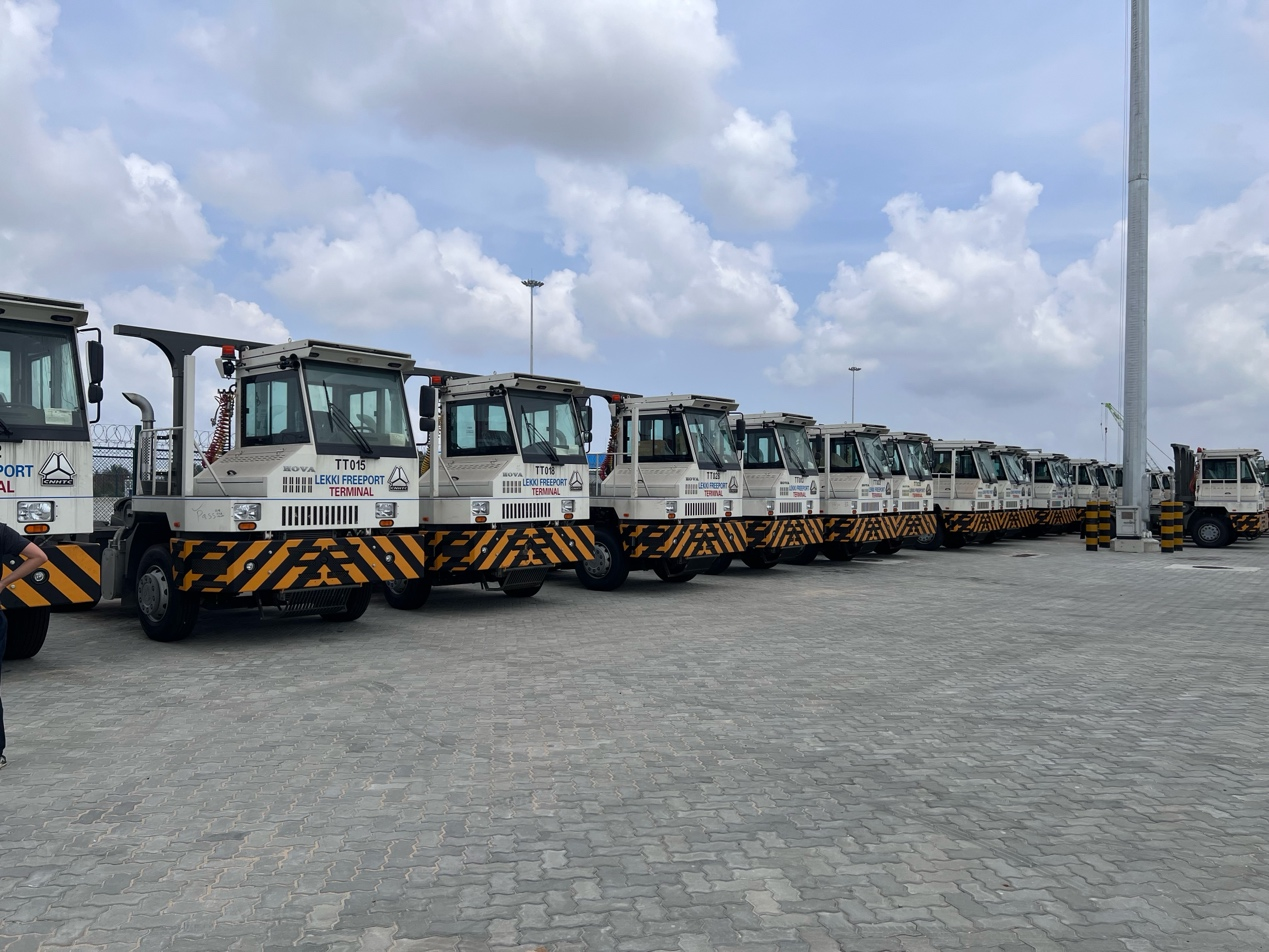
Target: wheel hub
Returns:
[[154, 594], [601, 565], [1209, 532], [396, 586]]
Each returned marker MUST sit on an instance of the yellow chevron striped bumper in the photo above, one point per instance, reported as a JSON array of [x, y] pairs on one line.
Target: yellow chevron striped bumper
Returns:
[[790, 532], [870, 527], [683, 540], [71, 576], [1249, 523], [459, 551]]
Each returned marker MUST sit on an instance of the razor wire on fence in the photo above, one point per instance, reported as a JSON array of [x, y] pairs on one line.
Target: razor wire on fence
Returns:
[[119, 470]]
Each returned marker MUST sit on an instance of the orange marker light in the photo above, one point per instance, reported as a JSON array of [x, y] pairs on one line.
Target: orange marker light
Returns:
[[246, 526], [36, 529]]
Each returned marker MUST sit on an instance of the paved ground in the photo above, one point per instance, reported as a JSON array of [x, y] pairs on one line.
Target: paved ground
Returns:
[[946, 750]]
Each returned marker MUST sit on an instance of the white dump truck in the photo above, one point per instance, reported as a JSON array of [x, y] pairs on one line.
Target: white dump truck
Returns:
[[858, 501], [46, 460], [1053, 493], [504, 495], [1222, 493], [780, 490], [310, 504], [667, 493], [965, 496]]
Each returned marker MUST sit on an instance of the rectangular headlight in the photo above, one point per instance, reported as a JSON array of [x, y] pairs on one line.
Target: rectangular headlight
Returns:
[[246, 512], [671, 505], [480, 507], [568, 505], [385, 510], [35, 511]]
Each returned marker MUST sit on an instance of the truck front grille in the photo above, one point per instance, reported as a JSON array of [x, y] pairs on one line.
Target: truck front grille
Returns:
[[700, 508], [910, 504], [791, 508], [870, 506], [526, 510], [301, 517]]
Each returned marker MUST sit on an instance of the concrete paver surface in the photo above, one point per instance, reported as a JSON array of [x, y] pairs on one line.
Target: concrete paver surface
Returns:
[[1017, 747]]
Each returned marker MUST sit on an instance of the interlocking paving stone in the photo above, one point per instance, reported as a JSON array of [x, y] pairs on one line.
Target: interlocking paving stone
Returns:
[[949, 750]]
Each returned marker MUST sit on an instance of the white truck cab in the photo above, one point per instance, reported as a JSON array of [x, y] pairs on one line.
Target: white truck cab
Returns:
[[314, 501], [1222, 492], [1053, 492], [912, 506], [667, 494], [859, 500], [46, 461], [1013, 488], [504, 493], [965, 495]]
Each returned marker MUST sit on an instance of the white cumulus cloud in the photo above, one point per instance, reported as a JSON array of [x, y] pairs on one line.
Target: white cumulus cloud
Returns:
[[655, 270], [750, 176]]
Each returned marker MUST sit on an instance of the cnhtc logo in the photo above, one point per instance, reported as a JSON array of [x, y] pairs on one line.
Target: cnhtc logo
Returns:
[[733, 486], [575, 483], [57, 471], [398, 482]]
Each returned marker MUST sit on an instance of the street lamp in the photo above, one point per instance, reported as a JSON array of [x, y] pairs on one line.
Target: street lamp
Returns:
[[532, 286], [853, 371]]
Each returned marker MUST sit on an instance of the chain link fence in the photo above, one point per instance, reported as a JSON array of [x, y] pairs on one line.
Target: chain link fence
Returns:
[[116, 460]]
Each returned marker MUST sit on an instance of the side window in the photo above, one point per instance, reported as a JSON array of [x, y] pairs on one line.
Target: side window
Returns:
[[1042, 474], [1083, 477], [478, 428], [942, 463], [662, 439], [1220, 470], [761, 449], [846, 458], [1248, 475], [965, 468], [272, 411]]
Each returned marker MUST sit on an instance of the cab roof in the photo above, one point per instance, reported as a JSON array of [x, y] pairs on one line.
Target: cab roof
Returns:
[[38, 310], [766, 418], [457, 385], [908, 435], [257, 358], [675, 400], [842, 429], [1233, 452], [963, 444]]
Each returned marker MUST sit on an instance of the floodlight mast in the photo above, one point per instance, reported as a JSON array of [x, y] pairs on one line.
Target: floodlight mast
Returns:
[[1136, 487]]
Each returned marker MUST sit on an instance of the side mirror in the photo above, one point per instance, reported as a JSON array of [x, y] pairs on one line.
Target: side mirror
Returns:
[[427, 424], [587, 422], [739, 438], [427, 401], [96, 367], [95, 394]]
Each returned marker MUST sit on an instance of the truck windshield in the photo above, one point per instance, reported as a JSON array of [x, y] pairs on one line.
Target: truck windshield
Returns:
[[986, 468], [1013, 468], [712, 439], [914, 460], [547, 424], [797, 450], [1061, 474], [1102, 479], [39, 381], [357, 410], [1041, 472], [874, 455]]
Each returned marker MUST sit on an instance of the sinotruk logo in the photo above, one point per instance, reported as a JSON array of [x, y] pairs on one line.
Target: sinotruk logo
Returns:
[[57, 471]]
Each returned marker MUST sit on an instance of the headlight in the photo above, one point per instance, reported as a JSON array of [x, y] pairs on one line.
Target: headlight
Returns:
[[385, 510], [246, 512], [36, 511], [480, 507], [770, 504], [568, 505], [671, 506]]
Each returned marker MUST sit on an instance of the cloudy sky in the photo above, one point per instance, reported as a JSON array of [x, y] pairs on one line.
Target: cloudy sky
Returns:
[[739, 201]]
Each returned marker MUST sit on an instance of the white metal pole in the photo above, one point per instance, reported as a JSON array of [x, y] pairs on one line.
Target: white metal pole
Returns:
[[1136, 489]]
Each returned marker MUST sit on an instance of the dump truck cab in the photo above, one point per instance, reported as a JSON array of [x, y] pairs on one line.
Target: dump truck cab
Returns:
[[1222, 492], [1053, 492], [666, 495], [46, 460], [965, 495], [504, 495], [780, 490], [857, 501], [303, 497]]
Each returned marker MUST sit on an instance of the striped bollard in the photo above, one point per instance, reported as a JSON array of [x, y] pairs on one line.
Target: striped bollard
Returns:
[[1103, 525], [1091, 521], [1178, 526], [1165, 527]]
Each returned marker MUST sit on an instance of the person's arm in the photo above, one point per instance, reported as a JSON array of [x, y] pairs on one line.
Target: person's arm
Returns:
[[34, 556]]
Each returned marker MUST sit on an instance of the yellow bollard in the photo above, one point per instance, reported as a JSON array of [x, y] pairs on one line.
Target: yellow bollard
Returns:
[[1091, 520], [1165, 527], [1178, 526], [1103, 525]]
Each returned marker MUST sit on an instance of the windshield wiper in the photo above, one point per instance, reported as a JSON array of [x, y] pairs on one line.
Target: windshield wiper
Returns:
[[714, 455], [336, 414], [4, 428], [538, 438]]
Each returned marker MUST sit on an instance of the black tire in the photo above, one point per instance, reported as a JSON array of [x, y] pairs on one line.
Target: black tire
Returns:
[[165, 612], [28, 627], [991, 538], [889, 546], [358, 602], [954, 540], [1211, 532], [720, 565], [523, 591], [761, 558], [804, 556], [840, 551], [930, 541], [672, 570], [406, 596], [610, 567]]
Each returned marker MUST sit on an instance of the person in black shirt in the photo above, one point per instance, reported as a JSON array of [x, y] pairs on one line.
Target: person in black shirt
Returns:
[[13, 546]]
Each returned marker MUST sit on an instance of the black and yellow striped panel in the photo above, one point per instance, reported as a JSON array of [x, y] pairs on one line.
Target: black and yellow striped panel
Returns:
[[71, 576], [973, 522], [1058, 517], [508, 547], [683, 540], [871, 527], [1249, 523], [1018, 518], [783, 533], [910, 525], [261, 565]]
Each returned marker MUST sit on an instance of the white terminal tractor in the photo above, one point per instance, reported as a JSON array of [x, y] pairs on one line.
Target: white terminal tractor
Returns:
[[912, 486], [857, 499], [46, 460], [965, 496]]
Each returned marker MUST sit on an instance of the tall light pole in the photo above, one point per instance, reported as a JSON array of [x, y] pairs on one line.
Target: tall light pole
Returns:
[[532, 286], [853, 371]]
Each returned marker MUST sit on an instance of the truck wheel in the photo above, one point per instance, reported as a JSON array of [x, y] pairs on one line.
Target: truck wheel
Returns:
[[720, 565], [804, 556], [524, 591], [672, 570], [840, 551], [166, 613], [354, 608], [609, 568], [761, 558], [28, 627], [1211, 532], [889, 546], [407, 595], [954, 540], [930, 541]]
